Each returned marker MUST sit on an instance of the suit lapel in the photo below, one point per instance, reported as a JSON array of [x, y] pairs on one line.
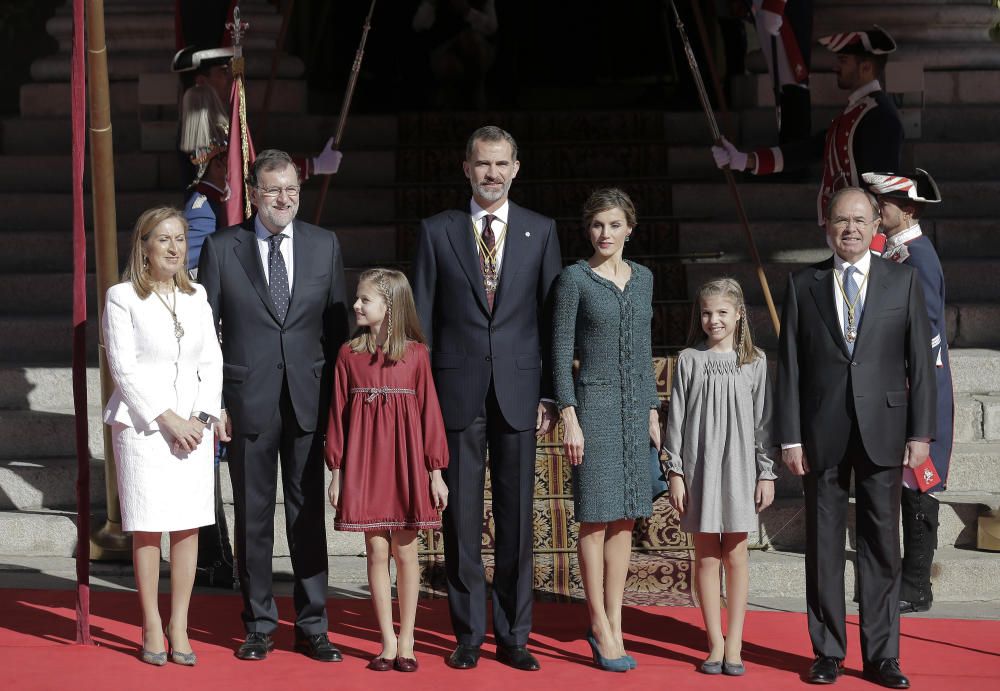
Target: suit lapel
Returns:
[[249, 257], [514, 248], [822, 292], [463, 242], [300, 259]]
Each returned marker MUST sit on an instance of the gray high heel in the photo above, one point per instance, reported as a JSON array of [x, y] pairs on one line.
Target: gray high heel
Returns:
[[185, 659], [151, 658]]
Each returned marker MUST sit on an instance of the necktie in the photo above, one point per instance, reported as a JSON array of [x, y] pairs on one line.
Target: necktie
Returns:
[[851, 290], [489, 272], [277, 274]]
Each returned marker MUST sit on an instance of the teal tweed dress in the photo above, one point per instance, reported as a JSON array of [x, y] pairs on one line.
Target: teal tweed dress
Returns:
[[615, 389]]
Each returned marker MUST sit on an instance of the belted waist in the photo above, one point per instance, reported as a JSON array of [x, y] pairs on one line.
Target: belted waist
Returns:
[[373, 392]]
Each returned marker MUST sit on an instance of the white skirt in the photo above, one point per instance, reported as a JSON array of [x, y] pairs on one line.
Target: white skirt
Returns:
[[158, 490]]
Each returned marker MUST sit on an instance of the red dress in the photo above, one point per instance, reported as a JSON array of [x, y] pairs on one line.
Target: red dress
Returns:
[[386, 434]]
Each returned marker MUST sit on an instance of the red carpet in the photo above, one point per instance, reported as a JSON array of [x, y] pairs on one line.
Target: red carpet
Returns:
[[37, 650]]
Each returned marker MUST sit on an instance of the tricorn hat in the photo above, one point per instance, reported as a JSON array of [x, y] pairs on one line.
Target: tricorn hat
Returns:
[[192, 58], [874, 41], [918, 186]]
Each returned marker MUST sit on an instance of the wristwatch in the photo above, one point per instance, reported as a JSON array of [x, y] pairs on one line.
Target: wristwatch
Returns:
[[205, 418]]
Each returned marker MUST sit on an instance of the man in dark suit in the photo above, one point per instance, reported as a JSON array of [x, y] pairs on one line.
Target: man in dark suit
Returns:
[[481, 279], [276, 285], [855, 394]]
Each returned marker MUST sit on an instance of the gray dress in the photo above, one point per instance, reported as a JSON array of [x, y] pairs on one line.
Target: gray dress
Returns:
[[615, 389], [716, 438]]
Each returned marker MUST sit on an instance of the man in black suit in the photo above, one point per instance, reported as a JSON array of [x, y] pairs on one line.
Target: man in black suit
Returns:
[[855, 393], [481, 279], [276, 285]]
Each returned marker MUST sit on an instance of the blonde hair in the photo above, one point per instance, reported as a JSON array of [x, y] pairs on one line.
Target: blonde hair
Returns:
[[729, 289], [137, 268], [402, 323]]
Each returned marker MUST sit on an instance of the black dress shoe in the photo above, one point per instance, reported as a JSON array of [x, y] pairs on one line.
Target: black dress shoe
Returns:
[[886, 672], [518, 657], [824, 670], [464, 657], [318, 647], [907, 607], [256, 646]]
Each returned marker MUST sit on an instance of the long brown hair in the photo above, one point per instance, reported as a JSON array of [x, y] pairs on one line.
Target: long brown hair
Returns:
[[729, 289], [402, 321], [136, 269]]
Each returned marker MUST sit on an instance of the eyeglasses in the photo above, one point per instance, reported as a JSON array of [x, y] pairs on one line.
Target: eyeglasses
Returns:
[[274, 192]]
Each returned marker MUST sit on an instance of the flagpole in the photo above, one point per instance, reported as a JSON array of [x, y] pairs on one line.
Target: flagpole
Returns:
[[108, 542], [733, 189], [345, 107]]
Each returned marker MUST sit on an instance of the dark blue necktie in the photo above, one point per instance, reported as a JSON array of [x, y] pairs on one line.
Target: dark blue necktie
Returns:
[[277, 276], [851, 291]]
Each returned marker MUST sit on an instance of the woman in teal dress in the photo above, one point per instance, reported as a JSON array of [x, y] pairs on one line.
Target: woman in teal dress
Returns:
[[603, 309]]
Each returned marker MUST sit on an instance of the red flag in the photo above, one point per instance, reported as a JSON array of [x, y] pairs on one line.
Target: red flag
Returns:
[[239, 134]]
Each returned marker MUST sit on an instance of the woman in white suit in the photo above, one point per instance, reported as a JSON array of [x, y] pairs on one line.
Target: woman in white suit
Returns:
[[166, 362]]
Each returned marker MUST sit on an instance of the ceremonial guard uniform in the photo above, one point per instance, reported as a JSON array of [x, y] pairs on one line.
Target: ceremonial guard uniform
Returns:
[[866, 136], [205, 213], [789, 22], [908, 245]]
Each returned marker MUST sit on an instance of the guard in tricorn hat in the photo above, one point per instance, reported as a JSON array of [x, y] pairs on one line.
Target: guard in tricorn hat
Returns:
[[867, 135], [903, 199]]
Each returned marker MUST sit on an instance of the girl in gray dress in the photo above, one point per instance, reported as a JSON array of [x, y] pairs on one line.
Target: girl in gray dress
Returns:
[[603, 309], [720, 474]]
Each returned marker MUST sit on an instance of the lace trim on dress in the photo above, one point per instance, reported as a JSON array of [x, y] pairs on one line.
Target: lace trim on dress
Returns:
[[375, 391], [721, 367]]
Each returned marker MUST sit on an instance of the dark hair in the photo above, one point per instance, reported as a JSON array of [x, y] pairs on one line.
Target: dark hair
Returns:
[[491, 133], [878, 63], [606, 199], [267, 160]]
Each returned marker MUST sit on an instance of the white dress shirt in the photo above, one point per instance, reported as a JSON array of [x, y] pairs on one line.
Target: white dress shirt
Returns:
[[862, 91], [264, 247], [863, 265], [499, 226]]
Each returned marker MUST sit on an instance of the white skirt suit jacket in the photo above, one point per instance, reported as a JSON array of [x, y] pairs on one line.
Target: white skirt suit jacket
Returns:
[[154, 372]]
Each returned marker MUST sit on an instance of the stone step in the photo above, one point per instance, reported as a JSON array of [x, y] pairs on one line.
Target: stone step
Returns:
[[975, 370], [42, 341], [958, 574], [345, 205], [783, 525], [46, 483], [977, 417], [126, 64], [33, 434], [974, 467], [32, 136], [940, 16], [44, 389], [967, 280], [781, 201], [52, 99], [794, 240]]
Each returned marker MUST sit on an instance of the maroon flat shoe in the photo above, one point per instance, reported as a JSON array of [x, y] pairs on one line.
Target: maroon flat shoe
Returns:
[[405, 664], [380, 664]]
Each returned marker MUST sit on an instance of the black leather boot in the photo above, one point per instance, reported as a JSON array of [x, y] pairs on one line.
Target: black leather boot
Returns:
[[920, 523]]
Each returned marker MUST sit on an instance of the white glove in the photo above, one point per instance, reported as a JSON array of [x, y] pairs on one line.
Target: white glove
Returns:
[[328, 161], [729, 155], [770, 22]]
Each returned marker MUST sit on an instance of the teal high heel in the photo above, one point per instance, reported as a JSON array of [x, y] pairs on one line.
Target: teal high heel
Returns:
[[620, 664]]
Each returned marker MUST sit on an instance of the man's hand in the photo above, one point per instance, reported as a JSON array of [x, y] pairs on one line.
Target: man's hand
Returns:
[[770, 22], [729, 155], [795, 459], [224, 427], [916, 453], [546, 418], [328, 160]]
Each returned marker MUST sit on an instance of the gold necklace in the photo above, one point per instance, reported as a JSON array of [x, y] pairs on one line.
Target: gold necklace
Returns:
[[852, 331], [490, 280], [178, 329]]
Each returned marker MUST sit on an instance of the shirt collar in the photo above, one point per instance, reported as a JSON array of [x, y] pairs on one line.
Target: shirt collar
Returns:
[[862, 265], [263, 233], [224, 193], [903, 237], [478, 212], [862, 91]]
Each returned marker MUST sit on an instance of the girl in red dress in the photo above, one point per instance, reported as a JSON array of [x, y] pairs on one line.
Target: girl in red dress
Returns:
[[386, 447]]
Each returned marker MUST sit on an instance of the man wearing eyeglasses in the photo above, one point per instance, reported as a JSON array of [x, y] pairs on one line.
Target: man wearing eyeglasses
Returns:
[[276, 287]]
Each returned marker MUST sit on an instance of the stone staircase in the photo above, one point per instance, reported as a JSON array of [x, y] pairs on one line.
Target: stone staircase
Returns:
[[400, 168]]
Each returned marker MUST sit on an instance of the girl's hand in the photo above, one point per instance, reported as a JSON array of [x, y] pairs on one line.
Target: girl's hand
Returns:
[[439, 491], [764, 494], [654, 428], [185, 434], [678, 493], [334, 490], [572, 436]]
